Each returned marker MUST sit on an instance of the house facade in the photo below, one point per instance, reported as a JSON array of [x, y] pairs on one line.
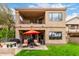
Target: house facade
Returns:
[[72, 28], [50, 22]]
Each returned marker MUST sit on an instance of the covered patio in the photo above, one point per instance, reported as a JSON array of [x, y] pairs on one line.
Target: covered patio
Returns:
[[32, 37]]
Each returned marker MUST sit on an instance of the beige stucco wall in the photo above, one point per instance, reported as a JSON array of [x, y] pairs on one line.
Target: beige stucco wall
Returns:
[[62, 41], [56, 26], [54, 23]]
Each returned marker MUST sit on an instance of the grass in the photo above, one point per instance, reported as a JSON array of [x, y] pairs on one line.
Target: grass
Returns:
[[53, 50]]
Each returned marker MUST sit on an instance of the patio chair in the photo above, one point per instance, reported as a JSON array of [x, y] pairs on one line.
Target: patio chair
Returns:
[[25, 44], [36, 42]]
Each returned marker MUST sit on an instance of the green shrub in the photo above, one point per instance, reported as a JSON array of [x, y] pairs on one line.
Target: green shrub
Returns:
[[6, 34]]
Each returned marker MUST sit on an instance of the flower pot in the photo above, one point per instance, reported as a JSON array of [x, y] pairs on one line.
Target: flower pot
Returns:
[[7, 45], [11, 45]]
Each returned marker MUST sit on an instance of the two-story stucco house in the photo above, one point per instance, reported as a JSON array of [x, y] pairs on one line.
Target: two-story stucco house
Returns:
[[50, 22]]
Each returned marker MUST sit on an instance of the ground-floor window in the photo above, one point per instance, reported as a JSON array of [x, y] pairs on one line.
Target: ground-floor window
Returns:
[[55, 35]]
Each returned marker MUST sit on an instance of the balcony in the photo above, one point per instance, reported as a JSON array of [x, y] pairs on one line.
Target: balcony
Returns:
[[75, 30], [28, 17], [31, 23]]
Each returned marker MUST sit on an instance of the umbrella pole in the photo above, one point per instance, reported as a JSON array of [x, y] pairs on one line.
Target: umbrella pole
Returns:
[[31, 35], [37, 36]]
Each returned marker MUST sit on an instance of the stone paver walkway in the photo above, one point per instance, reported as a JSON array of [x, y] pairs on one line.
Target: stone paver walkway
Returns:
[[7, 51]]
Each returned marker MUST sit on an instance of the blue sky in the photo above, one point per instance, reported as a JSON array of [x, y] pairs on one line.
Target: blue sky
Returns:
[[72, 8]]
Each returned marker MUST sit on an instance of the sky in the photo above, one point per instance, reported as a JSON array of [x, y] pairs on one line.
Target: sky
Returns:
[[72, 8]]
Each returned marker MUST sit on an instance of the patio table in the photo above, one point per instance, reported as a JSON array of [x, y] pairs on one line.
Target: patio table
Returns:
[[10, 43]]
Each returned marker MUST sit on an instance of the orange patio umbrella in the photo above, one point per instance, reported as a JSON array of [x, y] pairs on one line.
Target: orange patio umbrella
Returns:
[[31, 32]]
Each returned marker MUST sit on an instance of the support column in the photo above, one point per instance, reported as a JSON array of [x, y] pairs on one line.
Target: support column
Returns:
[[17, 34], [17, 17], [46, 36]]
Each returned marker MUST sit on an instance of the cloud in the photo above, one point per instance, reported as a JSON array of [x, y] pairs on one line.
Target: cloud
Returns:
[[68, 5], [73, 8], [59, 5], [46, 5], [39, 5], [31, 6], [43, 5]]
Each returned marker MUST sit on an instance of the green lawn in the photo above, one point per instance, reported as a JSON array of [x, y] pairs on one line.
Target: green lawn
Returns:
[[53, 50]]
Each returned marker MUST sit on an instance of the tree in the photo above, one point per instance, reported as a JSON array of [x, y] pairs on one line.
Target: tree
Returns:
[[6, 19]]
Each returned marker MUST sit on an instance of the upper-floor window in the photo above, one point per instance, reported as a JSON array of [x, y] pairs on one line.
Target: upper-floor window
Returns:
[[54, 16]]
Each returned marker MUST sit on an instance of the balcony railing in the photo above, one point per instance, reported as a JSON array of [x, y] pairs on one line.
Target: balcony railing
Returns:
[[32, 22], [72, 30]]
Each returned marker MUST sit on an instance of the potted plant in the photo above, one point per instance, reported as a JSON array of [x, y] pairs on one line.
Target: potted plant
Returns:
[[7, 45], [11, 45], [15, 44]]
